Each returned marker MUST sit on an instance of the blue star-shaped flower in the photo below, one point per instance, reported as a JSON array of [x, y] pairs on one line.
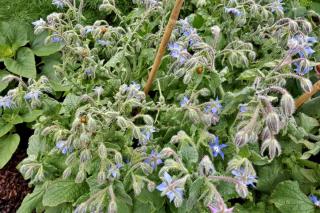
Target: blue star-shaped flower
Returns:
[[315, 200], [169, 188], [214, 107], [302, 70], [154, 159], [216, 148], [244, 177]]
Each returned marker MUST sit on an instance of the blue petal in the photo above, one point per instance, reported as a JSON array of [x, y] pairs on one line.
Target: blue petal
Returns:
[[162, 187], [170, 195], [167, 177]]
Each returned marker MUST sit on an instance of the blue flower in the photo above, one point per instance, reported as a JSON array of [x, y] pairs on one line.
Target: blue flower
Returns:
[[216, 148], [154, 159], [88, 72], [169, 188], [233, 11], [147, 134], [244, 177], [184, 101], [302, 70], [277, 6], [56, 39], [243, 108], [178, 52], [58, 3], [32, 95], [103, 42], [114, 170], [315, 200], [135, 85], [302, 45], [63, 147], [6, 102], [214, 107], [39, 23]]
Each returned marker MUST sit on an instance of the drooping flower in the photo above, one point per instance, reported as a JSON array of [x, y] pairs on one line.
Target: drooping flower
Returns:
[[147, 134], [98, 90], [6, 102], [103, 42], [33, 95], [114, 170], [315, 200], [233, 11], [243, 108], [244, 177], [88, 72], [56, 39], [216, 148], [213, 107], [302, 69], [63, 146], [277, 6], [168, 188], [154, 159], [58, 3], [185, 101], [219, 207], [179, 52], [301, 44], [39, 23]]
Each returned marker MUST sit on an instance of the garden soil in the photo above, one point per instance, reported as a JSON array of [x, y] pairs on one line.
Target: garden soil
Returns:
[[13, 188]]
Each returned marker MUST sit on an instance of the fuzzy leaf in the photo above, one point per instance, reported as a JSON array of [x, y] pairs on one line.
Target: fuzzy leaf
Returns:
[[288, 198], [307, 122], [40, 48], [195, 192], [63, 191]]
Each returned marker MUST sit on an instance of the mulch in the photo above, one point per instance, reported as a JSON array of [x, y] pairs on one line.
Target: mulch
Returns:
[[13, 188]]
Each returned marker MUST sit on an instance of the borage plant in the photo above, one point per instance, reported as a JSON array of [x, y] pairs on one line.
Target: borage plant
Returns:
[[196, 143]]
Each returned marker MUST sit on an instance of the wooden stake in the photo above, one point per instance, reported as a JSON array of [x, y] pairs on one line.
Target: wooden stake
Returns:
[[306, 96], [164, 42]]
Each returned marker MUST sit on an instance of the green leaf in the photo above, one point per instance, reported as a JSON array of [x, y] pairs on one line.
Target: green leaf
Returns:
[[5, 128], [288, 198], [8, 145], [311, 108], [307, 122], [31, 201], [70, 103], [195, 192], [270, 175], [42, 48], [117, 58], [250, 74], [31, 116], [24, 65], [14, 34], [189, 153], [63, 191], [3, 84]]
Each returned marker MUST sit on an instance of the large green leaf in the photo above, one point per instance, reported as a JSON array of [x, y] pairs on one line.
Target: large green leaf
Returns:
[[42, 48], [8, 145], [24, 63], [13, 34], [63, 191], [288, 198]]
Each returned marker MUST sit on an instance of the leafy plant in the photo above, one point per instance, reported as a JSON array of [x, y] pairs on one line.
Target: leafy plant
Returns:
[[197, 141]]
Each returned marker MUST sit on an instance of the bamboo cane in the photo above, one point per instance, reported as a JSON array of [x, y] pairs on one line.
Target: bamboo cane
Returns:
[[164, 42], [306, 96]]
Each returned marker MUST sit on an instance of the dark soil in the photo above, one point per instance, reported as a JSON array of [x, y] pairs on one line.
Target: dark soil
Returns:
[[13, 188]]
